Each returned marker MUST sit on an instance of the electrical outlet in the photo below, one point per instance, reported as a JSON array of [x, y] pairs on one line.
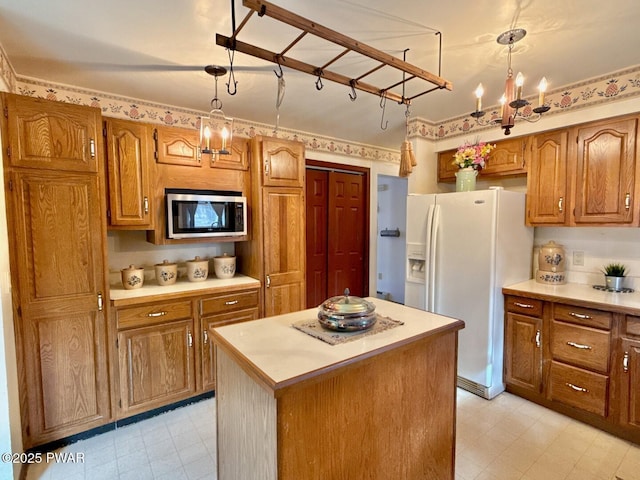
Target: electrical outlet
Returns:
[[578, 258]]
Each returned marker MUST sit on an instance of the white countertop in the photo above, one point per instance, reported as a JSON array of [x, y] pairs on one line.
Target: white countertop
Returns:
[[279, 353], [580, 292], [118, 292]]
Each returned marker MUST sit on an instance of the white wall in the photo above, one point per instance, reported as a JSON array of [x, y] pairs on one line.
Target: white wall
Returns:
[[391, 251]]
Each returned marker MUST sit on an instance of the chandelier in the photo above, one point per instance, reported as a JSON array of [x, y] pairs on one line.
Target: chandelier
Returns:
[[511, 101], [216, 129]]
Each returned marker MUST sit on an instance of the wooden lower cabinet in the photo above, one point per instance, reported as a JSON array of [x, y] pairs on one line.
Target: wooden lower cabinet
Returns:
[[163, 350], [156, 365], [217, 311], [580, 361]]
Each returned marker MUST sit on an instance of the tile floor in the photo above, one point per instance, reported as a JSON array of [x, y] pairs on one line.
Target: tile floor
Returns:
[[507, 438]]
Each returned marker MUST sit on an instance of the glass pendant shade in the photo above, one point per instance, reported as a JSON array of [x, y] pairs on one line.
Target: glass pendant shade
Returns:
[[216, 133]]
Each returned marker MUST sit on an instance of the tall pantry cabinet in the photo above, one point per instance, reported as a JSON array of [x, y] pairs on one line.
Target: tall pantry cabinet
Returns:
[[54, 189], [275, 253]]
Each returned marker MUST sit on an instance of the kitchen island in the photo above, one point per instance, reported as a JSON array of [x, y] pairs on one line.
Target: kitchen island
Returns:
[[291, 406]]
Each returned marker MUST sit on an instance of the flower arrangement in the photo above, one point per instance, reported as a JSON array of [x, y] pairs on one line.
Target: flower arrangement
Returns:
[[472, 155]]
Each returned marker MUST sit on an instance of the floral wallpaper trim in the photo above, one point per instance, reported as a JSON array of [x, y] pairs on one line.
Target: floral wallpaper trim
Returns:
[[616, 86], [133, 109], [7, 74]]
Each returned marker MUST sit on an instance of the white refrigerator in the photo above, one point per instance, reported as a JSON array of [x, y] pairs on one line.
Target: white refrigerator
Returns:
[[462, 248]]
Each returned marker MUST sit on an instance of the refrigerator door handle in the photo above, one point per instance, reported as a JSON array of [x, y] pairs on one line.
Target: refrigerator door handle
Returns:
[[434, 224]]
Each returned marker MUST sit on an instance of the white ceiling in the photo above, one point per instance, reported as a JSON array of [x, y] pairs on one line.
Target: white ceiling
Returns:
[[156, 50]]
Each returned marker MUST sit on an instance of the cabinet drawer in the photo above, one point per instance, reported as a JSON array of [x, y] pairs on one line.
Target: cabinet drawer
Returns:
[[525, 306], [579, 388], [152, 314], [229, 303], [582, 316], [582, 346]]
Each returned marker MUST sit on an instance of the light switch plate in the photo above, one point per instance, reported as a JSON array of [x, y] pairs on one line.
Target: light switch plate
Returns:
[[578, 258]]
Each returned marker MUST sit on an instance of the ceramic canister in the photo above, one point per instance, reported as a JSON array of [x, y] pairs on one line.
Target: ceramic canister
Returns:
[[197, 269], [132, 277], [551, 257], [224, 266], [166, 273]]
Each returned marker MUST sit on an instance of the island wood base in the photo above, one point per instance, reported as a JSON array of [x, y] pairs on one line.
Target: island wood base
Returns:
[[389, 415]]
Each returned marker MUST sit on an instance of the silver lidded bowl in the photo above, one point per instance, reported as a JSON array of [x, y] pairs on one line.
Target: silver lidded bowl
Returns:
[[346, 313]]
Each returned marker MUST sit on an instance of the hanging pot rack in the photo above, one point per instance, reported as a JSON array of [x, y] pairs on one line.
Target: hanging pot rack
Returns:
[[306, 26]]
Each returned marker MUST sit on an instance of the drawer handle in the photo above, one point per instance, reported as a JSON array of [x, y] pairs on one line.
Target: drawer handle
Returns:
[[579, 346], [231, 302], [156, 314], [576, 388], [580, 316], [522, 305]]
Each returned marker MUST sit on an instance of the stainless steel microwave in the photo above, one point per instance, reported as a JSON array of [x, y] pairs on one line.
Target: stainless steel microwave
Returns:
[[205, 213]]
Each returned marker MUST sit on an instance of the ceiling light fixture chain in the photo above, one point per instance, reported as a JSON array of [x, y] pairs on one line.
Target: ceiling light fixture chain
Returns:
[[511, 103]]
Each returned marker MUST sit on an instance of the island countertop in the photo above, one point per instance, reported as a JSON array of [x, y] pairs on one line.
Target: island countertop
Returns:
[[279, 355]]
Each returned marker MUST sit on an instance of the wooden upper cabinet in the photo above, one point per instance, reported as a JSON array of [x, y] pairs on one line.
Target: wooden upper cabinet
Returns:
[[283, 163], [52, 135], [237, 159], [605, 177], [507, 158], [129, 174], [547, 200], [177, 146], [446, 168]]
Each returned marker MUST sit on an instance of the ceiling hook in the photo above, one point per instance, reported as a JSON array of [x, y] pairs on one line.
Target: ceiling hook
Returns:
[[353, 95], [232, 75], [319, 80], [383, 105], [279, 73]]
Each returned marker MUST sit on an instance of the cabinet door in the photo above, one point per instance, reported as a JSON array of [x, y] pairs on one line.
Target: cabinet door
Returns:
[[523, 352], [547, 179], [156, 366], [129, 174], [177, 146], [284, 250], [52, 135], [605, 173], [238, 158], [282, 163], [58, 252], [506, 159], [446, 168], [630, 382], [208, 355]]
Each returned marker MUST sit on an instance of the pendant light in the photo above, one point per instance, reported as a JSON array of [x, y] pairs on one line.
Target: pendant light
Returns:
[[511, 101], [216, 129]]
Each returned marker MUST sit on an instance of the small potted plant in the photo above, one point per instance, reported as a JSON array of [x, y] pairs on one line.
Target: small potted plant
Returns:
[[614, 274]]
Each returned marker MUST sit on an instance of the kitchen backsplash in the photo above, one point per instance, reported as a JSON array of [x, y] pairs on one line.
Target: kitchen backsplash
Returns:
[[597, 247], [126, 248]]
